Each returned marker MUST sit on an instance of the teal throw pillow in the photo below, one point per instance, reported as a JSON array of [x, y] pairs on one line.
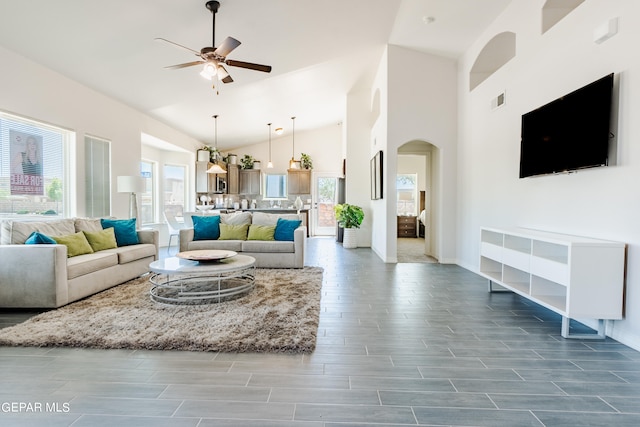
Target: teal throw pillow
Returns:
[[125, 230], [206, 227], [37, 238], [285, 229]]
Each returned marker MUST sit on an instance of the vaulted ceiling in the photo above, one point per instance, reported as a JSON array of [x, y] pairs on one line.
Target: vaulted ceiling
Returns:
[[319, 51]]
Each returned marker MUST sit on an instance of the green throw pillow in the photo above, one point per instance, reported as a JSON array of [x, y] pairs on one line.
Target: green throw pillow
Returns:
[[101, 240], [76, 244], [261, 232], [233, 232]]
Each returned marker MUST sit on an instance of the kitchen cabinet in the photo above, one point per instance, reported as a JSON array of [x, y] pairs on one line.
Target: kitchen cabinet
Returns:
[[250, 181], [299, 181]]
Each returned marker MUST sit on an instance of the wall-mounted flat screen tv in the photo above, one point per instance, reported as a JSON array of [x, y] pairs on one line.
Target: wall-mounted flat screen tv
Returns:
[[569, 133]]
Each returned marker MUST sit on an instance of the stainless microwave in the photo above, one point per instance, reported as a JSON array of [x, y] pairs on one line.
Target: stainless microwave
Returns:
[[221, 185]]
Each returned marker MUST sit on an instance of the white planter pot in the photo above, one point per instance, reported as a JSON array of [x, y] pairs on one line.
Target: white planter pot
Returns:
[[350, 238], [203, 156]]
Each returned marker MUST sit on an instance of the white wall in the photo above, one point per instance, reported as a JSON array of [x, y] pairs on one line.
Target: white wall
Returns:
[[324, 145], [424, 110], [381, 242], [602, 202], [33, 91], [414, 163]]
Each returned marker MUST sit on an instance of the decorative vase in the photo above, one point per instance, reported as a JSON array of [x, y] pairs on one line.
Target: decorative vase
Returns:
[[233, 159], [298, 203], [257, 164], [350, 238]]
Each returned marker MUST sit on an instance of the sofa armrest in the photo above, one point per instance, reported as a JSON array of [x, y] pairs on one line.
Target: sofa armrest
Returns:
[[299, 244], [186, 236], [150, 236], [33, 276]]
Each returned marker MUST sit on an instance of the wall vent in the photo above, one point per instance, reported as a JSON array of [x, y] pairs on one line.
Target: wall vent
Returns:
[[498, 101]]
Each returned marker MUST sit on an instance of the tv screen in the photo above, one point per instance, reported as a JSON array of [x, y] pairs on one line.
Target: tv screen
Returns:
[[569, 133]]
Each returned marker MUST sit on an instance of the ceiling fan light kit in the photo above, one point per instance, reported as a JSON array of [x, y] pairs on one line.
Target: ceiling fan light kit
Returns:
[[213, 57]]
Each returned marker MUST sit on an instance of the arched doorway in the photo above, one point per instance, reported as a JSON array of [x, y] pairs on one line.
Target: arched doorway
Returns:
[[418, 201]]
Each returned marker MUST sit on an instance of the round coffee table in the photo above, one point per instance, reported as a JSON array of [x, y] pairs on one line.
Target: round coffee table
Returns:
[[182, 281]]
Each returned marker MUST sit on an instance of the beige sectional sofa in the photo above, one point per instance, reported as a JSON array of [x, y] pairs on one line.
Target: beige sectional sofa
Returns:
[[268, 253], [42, 276]]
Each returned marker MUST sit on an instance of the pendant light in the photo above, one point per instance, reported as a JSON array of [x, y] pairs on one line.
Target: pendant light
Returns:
[[216, 168], [292, 163], [270, 164]]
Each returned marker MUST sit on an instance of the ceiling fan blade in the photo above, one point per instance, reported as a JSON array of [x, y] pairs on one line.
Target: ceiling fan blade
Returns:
[[227, 46], [223, 75], [248, 65], [178, 45], [184, 65]]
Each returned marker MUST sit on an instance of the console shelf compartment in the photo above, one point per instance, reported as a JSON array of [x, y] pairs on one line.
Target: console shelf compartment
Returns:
[[577, 277]]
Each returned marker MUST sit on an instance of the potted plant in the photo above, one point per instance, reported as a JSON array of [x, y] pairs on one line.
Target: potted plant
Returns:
[[305, 161], [350, 218], [247, 161]]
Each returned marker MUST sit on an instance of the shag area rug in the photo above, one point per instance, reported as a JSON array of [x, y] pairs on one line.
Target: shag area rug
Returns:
[[280, 314]]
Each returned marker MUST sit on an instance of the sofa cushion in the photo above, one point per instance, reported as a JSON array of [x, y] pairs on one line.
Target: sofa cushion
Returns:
[[85, 264], [101, 240], [225, 245], [264, 218], [17, 232], [125, 230], [38, 238], [206, 227], [233, 232], [76, 244], [237, 218], [133, 252], [285, 229], [87, 224], [261, 232], [268, 246]]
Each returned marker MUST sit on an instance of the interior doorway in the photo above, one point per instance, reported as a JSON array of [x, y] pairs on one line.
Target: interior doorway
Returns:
[[417, 203]]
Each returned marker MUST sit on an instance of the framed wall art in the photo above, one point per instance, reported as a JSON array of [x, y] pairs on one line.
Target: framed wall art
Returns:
[[377, 176]]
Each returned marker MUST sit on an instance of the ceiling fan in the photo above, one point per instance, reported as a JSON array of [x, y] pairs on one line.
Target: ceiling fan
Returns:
[[213, 58]]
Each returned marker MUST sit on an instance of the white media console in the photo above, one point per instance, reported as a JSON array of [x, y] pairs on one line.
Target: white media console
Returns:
[[577, 277]]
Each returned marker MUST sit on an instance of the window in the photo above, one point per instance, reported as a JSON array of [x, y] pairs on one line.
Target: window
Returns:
[[407, 194], [275, 186], [33, 167], [174, 187], [97, 155], [148, 197]]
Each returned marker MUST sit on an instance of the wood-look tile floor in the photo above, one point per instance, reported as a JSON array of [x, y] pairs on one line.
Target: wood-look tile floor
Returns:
[[404, 344]]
